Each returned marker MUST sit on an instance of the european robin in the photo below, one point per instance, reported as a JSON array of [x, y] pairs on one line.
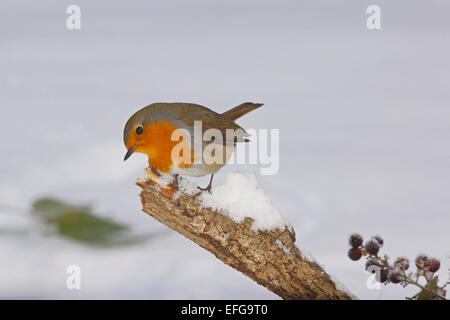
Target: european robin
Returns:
[[150, 131]]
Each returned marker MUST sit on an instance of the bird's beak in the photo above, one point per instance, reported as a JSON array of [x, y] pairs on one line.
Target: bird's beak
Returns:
[[130, 152]]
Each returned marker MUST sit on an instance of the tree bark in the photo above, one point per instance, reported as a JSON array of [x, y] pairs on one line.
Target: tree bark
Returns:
[[268, 257]]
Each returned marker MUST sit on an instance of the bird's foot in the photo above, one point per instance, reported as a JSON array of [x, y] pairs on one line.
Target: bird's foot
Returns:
[[208, 188]]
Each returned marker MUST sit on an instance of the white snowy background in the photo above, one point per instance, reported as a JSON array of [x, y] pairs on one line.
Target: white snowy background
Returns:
[[364, 119]]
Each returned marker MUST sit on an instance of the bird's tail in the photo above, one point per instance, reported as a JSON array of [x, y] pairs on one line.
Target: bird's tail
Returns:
[[241, 109]]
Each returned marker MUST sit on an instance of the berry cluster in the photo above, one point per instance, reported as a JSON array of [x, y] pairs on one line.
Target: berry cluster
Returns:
[[396, 272]]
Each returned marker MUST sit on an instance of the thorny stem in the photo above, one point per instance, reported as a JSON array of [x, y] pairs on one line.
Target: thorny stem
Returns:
[[424, 289], [408, 280], [416, 283]]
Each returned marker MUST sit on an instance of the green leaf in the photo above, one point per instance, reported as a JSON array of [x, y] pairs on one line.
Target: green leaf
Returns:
[[423, 295], [80, 224], [49, 208]]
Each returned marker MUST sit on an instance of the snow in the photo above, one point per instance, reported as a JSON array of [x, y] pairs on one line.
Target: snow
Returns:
[[187, 187], [282, 246], [238, 198], [165, 179]]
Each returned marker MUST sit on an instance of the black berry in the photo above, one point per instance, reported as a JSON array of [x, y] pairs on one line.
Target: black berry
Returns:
[[402, 263], [433, 265], [384, 275], [421, 260], [372, 262], [372, 246], [355, 240], [354, 254], [395, 276]]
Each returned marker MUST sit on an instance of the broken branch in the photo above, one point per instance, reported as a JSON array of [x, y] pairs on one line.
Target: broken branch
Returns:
[[268, 257]]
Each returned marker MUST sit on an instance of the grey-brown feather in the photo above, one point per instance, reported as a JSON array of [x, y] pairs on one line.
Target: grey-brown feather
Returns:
[[184, 115]]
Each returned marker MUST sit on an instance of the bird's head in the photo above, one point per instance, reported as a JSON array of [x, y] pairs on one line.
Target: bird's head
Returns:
[[133, 137], [148, 132], [134, 133]]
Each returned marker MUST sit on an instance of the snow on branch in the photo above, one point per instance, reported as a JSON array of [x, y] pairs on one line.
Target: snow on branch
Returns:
[[239, 225]]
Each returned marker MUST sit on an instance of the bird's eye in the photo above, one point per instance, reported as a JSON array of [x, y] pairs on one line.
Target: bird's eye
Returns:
[[139, 130]]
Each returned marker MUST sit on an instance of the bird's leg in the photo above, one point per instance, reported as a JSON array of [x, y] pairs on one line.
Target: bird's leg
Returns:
[[208, 188], [175, 183]]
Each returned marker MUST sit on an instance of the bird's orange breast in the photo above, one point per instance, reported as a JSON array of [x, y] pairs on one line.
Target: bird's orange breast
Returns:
[[158, 145]]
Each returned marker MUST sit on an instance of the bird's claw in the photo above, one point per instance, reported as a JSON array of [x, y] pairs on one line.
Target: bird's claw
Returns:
[[208, 188], [201, 191]]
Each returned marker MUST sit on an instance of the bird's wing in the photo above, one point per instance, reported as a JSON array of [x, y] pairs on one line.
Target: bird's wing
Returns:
[[212, 120]]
